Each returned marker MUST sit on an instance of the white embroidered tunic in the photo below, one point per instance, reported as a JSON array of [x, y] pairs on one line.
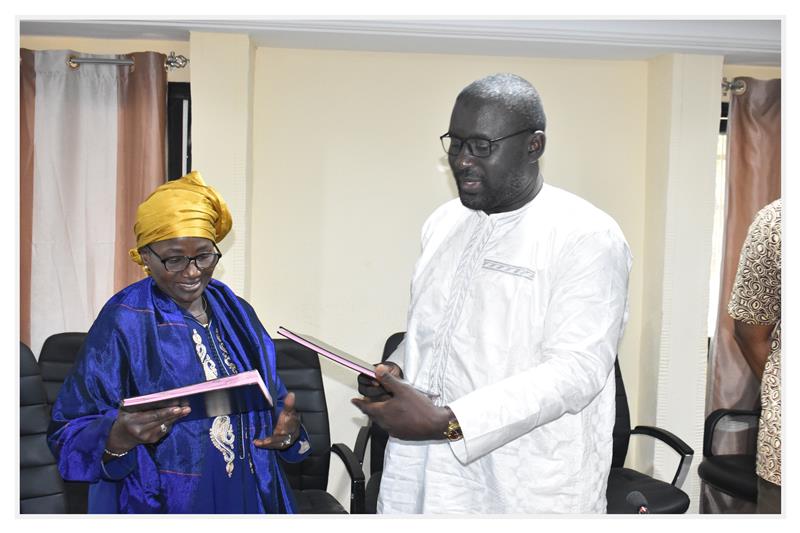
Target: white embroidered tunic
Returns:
[[514, 321]]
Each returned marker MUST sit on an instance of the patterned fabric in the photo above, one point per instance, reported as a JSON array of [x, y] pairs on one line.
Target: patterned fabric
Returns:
[[514, 322], [756, 300]]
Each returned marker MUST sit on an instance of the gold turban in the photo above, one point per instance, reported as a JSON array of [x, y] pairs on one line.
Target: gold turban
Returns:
[[186, 207]]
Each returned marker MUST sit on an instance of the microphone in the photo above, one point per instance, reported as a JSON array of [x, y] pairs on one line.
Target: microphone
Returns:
[[637, 499]]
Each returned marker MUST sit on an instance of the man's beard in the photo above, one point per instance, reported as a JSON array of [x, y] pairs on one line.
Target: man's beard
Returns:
[[489, 199]]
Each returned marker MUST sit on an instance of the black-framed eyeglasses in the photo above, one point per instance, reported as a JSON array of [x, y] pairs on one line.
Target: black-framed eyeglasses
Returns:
[[478, 147], [178, 263]]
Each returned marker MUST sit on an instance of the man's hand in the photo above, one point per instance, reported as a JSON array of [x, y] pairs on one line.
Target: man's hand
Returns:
[[371, 389], [286, 430], [144, 427], [405, 413]]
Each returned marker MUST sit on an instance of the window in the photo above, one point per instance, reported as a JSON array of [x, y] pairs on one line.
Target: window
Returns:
[[179, 130]]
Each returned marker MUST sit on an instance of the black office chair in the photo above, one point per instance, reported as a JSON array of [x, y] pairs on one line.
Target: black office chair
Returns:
[[732, 474], [41, 489], [376, 437], [300, 371], [662, 497], [56, 359]]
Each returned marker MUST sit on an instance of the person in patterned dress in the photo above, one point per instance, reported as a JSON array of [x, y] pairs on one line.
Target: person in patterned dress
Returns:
[[755, 306], [176, 327]]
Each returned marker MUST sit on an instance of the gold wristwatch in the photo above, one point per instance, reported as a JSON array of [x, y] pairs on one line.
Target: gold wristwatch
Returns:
[[453, 432]]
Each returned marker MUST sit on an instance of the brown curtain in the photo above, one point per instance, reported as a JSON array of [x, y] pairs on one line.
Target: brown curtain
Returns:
[[27, 96], [753, 181], [141, 152]]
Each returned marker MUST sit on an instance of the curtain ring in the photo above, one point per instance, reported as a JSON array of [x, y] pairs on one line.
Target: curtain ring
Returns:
[[72, 64], [739, 87]]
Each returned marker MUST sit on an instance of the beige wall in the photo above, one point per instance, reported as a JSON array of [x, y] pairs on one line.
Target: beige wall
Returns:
[[222, 114]]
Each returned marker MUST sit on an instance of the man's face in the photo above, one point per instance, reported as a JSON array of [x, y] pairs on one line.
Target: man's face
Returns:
[[506, 179]]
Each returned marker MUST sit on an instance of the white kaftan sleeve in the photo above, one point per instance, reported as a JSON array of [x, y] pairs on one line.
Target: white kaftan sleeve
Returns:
[[582, 328]]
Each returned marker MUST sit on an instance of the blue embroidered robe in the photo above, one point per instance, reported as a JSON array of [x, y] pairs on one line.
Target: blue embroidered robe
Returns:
[[140, 343]]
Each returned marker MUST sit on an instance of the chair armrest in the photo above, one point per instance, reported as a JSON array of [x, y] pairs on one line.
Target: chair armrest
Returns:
[[357, 482], [676, 443], [361, 443], [711, 425], [672, 440]]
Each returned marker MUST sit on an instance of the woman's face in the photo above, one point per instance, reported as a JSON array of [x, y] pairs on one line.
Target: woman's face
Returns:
[[186, 286]]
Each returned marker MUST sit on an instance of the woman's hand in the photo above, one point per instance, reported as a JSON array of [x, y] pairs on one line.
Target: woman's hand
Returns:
[[145, 427], [286, 430]]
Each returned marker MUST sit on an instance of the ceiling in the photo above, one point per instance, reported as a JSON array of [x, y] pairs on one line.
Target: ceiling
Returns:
[[741, 42]]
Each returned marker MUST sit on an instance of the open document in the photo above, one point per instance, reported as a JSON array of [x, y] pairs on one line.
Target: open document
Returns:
[[239, 393]]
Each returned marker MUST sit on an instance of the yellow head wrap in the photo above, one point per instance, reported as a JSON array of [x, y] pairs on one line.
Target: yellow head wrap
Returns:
[[186, 207]]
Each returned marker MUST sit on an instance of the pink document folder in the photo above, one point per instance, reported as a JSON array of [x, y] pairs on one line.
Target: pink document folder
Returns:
[[239, 393], [334, 354], [343, 358]]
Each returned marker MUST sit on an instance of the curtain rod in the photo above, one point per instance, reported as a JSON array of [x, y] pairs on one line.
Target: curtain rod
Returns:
[[171, 62]]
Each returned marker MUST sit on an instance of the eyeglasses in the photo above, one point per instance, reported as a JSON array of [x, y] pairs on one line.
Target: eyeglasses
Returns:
[[178, 263], [478, 147]]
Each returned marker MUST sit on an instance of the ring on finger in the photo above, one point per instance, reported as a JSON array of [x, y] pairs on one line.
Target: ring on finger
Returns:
[[164, 428]]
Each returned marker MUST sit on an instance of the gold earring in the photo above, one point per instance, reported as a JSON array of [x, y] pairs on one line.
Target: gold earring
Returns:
[[147, 270]]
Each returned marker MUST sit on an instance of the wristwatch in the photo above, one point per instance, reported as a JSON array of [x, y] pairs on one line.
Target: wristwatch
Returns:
[[453, 432]]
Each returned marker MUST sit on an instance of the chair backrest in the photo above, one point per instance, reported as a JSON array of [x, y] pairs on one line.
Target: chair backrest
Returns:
[[622, 423], [377, 435], [41, 489], [298, 368], [58, 355], [392, 343]]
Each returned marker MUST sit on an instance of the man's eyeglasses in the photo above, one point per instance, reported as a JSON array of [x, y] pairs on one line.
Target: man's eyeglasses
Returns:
[[478, 147], [177, 263]]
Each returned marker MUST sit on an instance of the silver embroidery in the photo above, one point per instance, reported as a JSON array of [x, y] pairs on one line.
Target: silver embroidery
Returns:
[[508, 269], [209, 367], [468, 265], [221, 431], [225, 355], [222, 438]]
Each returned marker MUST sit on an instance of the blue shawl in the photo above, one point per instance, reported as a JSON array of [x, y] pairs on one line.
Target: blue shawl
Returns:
[[129, 351]]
